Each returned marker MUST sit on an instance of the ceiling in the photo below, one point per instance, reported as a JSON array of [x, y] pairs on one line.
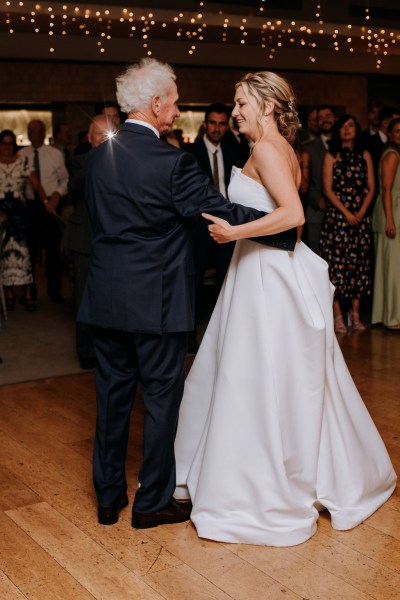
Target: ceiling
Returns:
[[360, 36]]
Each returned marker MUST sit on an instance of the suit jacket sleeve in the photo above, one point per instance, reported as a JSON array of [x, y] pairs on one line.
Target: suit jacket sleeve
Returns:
[[192, 194]]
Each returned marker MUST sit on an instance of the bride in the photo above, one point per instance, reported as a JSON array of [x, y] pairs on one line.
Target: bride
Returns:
[[272, 428]]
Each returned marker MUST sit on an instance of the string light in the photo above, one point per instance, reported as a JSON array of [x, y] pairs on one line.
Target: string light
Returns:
[[104, 24]]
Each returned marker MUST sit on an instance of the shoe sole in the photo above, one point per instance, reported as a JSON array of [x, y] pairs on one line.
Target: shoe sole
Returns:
[[114, 519], [138, 524]]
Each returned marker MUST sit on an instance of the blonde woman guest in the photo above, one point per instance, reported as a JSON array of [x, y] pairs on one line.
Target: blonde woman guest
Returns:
[[271, 427], [386, 225]]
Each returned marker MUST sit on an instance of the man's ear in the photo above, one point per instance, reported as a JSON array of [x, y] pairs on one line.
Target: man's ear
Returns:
[[155, 104]]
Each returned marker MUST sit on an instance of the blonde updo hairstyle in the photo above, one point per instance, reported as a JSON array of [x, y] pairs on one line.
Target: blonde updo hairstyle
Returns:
[[266, 86]]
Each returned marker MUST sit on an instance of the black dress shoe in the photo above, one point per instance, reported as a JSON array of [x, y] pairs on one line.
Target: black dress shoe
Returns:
[[176, 512], [87, 364], [109, 515], [193, 348], [185, 504]]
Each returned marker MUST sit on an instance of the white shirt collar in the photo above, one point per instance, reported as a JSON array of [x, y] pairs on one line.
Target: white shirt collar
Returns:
[[383, 136], [145, 124], [210, 147], [325, 139]]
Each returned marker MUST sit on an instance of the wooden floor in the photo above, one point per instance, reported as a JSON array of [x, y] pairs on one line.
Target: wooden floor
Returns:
[[51, 547]]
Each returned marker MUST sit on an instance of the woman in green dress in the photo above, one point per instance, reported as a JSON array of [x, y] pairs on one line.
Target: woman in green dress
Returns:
[[386, 225]]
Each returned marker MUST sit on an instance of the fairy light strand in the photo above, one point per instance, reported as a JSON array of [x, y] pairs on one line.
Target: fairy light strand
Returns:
[[103, 24]]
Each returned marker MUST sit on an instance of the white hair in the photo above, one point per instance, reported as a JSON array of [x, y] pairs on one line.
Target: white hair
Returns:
[[140, 82]]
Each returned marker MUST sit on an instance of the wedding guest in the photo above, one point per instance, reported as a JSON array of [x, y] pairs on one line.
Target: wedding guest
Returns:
[[373, 121], [77, 238], [43, 226], [62, 140], [15, 171], [386, 225], [346, 238], [111, 111], [216, 155], [314, 199], [83, 146], [376, 143], [312, 131]]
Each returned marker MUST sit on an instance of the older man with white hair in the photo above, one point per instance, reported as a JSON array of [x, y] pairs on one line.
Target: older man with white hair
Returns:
[[144, 196]]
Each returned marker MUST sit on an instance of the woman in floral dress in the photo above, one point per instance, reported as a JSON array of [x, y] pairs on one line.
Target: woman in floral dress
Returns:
[[346, 239], [14, 262]]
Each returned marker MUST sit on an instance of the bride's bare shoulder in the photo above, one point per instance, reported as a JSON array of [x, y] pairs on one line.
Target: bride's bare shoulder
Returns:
[[270, 151]]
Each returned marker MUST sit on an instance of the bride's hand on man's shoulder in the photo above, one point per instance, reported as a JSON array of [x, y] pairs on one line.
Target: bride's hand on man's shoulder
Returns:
[[220, 230]]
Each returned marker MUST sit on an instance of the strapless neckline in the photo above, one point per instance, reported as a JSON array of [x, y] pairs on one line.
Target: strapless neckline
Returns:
[[240, 172]]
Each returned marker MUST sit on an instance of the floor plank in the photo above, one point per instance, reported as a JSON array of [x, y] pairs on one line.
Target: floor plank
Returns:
[[30, 568], [8, 591], [54, 547], [218, 565], [88, 564], [299, 574]]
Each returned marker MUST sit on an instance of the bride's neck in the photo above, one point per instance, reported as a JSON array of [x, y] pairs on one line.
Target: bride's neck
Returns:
[[268, 130]]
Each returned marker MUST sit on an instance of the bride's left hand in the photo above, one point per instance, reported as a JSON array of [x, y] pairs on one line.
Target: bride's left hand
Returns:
[[221, 231]]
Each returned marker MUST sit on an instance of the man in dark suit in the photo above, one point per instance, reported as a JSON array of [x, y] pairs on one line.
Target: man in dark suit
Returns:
[[216, 155], [315, 200], [377, 142], [143, 196], [374, 109], [77, 237]]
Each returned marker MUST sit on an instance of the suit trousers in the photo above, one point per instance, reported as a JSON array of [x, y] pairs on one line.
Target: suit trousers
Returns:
[[44, 230], [313, 231], [207, 251], [84, 333], [157, 362]]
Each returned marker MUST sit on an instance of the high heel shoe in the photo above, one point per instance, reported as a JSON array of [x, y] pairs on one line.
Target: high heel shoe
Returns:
[[353, 320], [339, 325]]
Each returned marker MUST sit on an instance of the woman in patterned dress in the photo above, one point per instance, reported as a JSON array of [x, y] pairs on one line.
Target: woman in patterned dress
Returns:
[[348, 183], [15, 265]]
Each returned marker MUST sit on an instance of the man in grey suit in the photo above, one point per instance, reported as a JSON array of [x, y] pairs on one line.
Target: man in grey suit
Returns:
[[316, 203], [77, 238], [144, 196]]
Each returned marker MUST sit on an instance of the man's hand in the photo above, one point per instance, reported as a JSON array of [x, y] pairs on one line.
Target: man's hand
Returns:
[[54, 200], [49, 207], [221, 231]]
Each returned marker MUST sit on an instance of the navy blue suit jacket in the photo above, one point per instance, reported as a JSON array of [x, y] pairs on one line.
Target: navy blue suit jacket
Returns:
[[144, 195]]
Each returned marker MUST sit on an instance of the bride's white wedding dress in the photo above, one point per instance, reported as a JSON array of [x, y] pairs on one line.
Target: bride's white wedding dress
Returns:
[[272, 428]]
